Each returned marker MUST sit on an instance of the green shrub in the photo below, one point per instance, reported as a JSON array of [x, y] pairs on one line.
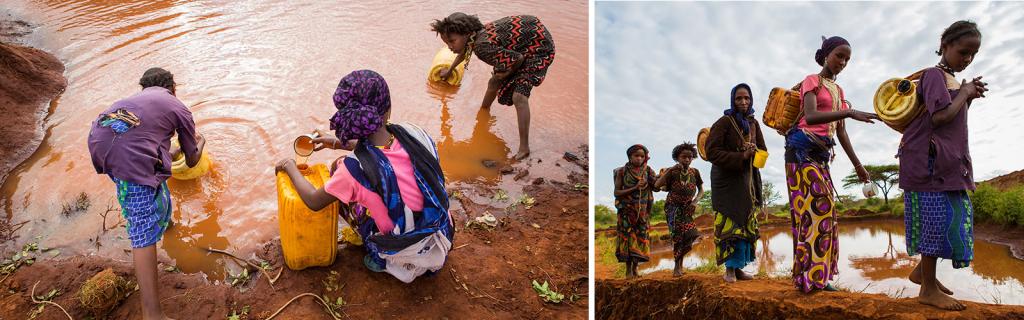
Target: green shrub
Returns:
[[604, 216], [1004, 207], [897, 208], [658, 212]]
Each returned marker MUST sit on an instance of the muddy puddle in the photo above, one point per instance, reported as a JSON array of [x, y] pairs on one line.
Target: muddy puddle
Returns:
[[256, 75], [872, 258]]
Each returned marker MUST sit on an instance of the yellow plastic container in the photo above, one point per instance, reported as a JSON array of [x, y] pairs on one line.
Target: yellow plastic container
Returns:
[[308, 238], [783, 109], [181, 171], [760, 157], [442, 61], [896, 102]]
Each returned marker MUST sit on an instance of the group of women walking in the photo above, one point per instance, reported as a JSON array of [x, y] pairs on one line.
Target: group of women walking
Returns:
[[935, 175]]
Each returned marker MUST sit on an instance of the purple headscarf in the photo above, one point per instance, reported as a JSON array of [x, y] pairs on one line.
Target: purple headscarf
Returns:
[[362, 99], [827, 45]]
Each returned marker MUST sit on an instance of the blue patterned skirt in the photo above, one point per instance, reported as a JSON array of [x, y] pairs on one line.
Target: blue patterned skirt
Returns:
[[146, 209], [940, 224]]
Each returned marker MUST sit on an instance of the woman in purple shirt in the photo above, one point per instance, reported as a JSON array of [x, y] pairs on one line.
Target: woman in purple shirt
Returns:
[[129, 142], [935, 166]]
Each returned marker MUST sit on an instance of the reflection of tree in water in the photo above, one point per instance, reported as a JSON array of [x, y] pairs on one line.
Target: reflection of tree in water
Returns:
[[766, 261], [465, 159], [892, 264], [186, 241]]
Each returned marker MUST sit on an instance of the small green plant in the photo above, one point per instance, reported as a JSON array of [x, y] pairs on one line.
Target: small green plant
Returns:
[[527, 201], [42, 306], [501, 195], [27, 256], [546, 293], [81, 203], [334, 307], [265, 265], [580, 186], [241, 278], [239, 315]]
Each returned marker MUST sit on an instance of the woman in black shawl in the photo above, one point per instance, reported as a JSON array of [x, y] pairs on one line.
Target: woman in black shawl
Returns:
[[735, 183]]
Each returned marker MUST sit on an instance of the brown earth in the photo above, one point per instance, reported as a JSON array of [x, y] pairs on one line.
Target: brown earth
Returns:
[[702, 296], [1006, 181], [488, 274], [29, 79]]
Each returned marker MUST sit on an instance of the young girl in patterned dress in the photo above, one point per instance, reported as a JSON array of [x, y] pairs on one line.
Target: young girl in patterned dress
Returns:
[[935, 166], [634, 186], [685, 187], [519, 48]]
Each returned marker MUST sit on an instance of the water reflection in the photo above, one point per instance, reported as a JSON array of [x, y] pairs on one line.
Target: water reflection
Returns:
[[873, 258]]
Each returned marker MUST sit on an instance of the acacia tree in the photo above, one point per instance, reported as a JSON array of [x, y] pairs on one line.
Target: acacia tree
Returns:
[[886, 177]]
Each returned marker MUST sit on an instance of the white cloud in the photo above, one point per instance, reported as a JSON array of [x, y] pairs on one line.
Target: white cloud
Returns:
[[664, 70]]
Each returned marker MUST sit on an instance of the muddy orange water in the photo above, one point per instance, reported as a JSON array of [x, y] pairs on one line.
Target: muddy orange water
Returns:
[[256, 75], [873, 258]]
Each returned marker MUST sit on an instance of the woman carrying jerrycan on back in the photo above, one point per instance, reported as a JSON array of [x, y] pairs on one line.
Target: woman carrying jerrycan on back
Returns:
[[393, 173], [809, 152]]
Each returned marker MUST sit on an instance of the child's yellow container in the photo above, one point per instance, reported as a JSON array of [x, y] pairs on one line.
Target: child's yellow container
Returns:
[[181, 171], [760, 157], [308, 238], [442, 61]]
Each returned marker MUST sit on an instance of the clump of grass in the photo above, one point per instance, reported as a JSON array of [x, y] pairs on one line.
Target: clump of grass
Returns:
[[605, 247], [709, 266], [104, 292], [79, 204]]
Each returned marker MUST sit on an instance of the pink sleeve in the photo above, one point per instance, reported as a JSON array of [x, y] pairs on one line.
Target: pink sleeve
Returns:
[[344, 187], [843, 103], [810, 84]]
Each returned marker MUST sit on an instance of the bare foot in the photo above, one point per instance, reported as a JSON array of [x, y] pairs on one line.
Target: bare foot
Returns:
[[678, 273], [915, 277], [522, 154], [742, 275], [730, 275], [940, 300]]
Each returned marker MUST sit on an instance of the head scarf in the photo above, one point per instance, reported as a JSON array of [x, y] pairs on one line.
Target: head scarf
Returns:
[[362, 99], [636, 173], [741, 118], [827, 45], [634, 148]]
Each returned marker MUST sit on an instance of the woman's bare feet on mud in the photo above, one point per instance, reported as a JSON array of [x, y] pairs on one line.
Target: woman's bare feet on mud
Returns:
[[730, 275], [936, 298], [740, 275], [915, 277], [522, 154]]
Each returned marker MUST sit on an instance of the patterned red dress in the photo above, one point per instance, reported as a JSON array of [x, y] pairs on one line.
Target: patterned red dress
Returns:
[[504, 42]]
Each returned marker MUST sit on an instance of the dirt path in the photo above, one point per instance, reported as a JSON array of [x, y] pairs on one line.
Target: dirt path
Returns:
[[700, 296]]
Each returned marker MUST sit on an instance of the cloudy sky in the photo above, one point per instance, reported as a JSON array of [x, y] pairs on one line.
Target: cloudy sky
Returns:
[[664, 70]]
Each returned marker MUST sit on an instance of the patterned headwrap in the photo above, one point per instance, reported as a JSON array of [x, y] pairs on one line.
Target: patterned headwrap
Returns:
[[827, 45], [362, 99], [634, 148], [741, 119]]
